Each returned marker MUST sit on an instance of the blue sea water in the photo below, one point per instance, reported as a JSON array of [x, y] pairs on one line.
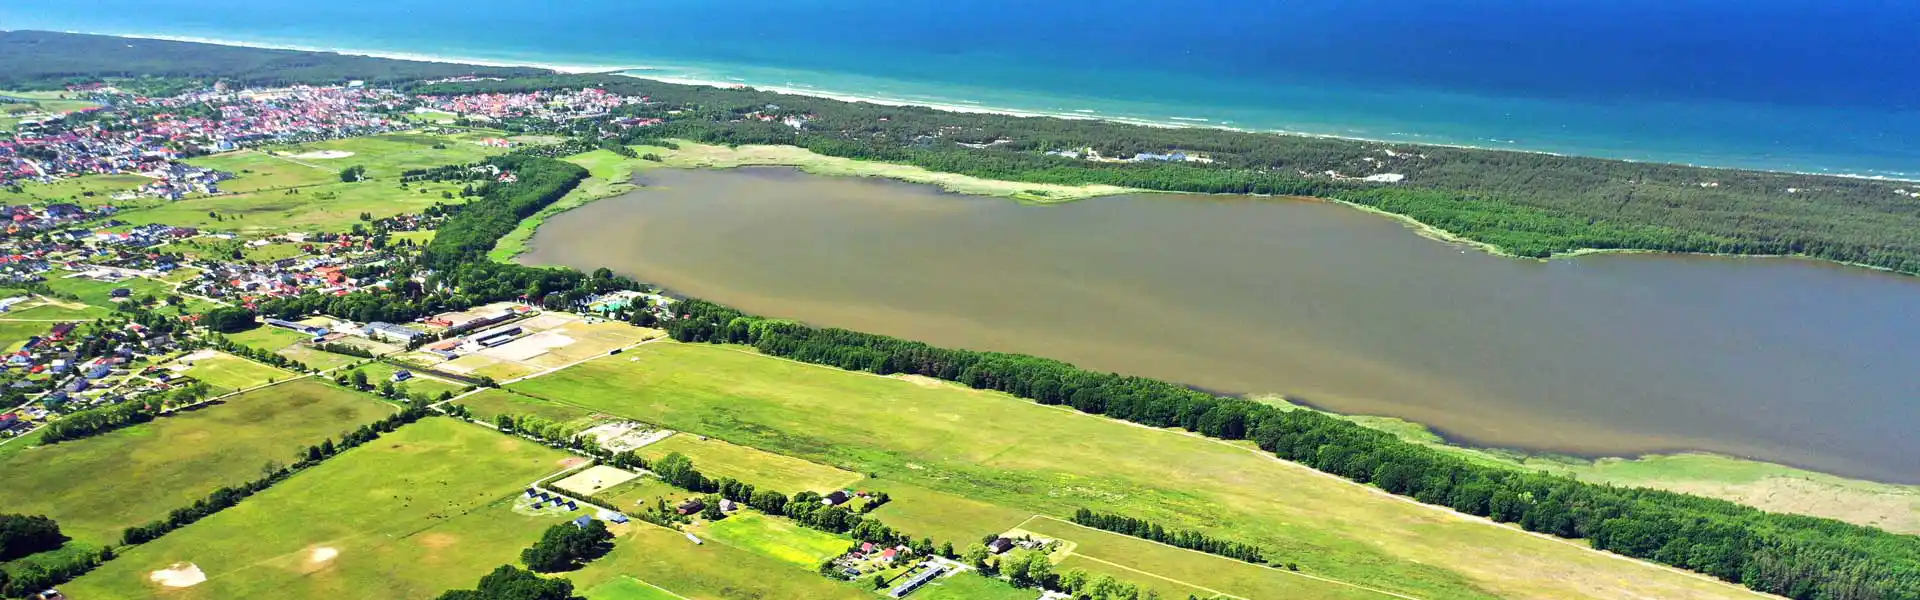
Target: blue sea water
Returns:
[[1804, 85]]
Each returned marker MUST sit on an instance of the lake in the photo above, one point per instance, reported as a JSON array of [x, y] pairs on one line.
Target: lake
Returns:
[[1788, 361]]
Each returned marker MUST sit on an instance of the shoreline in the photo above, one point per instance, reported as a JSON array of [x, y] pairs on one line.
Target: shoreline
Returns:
[[949, 105]]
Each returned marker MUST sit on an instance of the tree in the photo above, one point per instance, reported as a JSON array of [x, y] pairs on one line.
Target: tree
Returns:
[[228, 319], [977, 556], [512, 583], [879, 581], [359, 379], [566, 546], [21, 535], [353, 174]]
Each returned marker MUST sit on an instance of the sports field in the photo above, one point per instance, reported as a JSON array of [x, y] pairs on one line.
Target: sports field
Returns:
[[226, 372], [424, 509], [717, 458], [1004, 451], [97, 486], [775, 538]]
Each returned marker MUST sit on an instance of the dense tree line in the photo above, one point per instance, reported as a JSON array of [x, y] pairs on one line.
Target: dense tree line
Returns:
[[228, 319], [28, 577], [1529, 204], [565, 547], [513, 583], [1184, 538], [49, 60], [226, 497], [1794, 556], [21, 535]]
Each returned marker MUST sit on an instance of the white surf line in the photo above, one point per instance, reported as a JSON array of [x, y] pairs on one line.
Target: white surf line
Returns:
[[1022, 525]]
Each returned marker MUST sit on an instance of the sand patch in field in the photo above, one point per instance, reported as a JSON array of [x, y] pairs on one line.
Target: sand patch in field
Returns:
[[179, 575], [592, 480], [322, 555]]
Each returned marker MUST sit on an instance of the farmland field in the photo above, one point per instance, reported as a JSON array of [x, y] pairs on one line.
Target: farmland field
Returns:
[[14, 333], [62, 311], [77, 190], [970, 586], [424, 509], [763, 469], [644, 489], [97, 486], [775, 538], [996, 449]]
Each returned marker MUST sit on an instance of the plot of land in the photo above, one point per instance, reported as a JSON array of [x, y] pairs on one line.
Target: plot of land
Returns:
[[100, 293], [717, 459], [417, 384], [643, 491], [386, 156], [58, 310], [226, 372], [97, 486], [775, 538], [422, 510], [551, 340], [15, 333], [1001, 450], [595, 479]]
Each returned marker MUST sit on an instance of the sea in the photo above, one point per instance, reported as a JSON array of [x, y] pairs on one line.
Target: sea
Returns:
[[1818, 86]]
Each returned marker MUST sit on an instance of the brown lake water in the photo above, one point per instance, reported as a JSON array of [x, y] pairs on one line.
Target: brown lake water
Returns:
[[1787, 361]]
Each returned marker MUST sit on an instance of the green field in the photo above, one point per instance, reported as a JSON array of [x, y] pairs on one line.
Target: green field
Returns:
[[267, 337], [333, 207], [763, 469], [775, 538], [424, 509], [944, 517], [14, 333], [1176, 572], [642, 491], [86, 190], [99, 293], [628, 588], [419, 384], [609, 174], [97, 486], [254, 170], [58, 312], [226, 373], [386, 156], [490, 403], [996, 449], [709, 571], [970, 586]]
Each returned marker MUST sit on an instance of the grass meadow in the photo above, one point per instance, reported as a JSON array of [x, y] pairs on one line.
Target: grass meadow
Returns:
[[717, 458], [227, 373], [493, 402], [422, 510], [97, 486], [665, 558], [999, 450], [628, 588], [775, 538], [89, 190]]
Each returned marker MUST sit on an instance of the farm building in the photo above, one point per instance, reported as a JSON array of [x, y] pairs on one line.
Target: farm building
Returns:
[[908, 586], [1000, 545], [583, 522], [692, 505], [389, 332], [836, 498]]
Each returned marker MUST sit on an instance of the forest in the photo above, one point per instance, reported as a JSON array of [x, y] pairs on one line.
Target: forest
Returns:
[[36, 60], [1804, 558], [1527, 204]]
